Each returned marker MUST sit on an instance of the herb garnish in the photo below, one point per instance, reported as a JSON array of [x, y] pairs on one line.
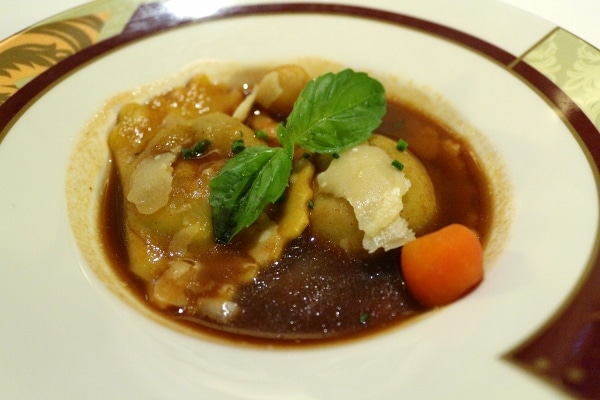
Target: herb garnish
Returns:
[[260, 134], [332, 113], [196, 151], [401, 145], [398, 165], [238, 146]]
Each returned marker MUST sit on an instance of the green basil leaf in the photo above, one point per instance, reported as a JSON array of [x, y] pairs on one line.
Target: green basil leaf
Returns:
[[285, 140], [336, 111], [332, 113], [248, 182]]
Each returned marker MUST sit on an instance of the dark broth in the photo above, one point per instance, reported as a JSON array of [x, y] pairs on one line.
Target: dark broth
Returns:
[[316, 293]]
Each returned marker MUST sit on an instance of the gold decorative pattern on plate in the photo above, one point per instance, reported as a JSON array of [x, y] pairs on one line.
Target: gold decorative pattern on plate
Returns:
[[574, 66], [26, 55], [29, 53]]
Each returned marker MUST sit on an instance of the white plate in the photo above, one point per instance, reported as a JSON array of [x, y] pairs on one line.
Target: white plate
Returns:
[[63, 335]]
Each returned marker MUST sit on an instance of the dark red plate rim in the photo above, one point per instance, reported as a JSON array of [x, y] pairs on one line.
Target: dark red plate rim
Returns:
[[567, 351]]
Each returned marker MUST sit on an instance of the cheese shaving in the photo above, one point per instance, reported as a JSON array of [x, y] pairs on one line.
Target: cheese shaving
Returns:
[[365, 177]]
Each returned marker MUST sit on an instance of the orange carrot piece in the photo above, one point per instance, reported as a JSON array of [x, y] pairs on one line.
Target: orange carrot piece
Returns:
[[442, 266]]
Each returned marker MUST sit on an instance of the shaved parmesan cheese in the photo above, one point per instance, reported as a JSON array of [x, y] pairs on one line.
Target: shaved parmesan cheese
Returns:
[[365, 177], [269, 89], [151, 183], [243, 110]]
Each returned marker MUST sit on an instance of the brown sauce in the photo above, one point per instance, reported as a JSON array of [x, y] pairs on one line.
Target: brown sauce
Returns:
[[316, 293], [461, 187]]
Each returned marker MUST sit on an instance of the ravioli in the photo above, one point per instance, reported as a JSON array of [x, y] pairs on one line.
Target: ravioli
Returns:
[[356, 206]]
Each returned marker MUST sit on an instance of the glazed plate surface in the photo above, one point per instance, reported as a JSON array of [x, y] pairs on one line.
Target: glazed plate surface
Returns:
[[64, 334]]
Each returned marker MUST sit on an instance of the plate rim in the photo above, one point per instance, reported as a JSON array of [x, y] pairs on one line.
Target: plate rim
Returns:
[[138, 27]]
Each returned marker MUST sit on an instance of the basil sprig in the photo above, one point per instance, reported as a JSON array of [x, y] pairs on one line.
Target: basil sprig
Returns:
[[245, 185], [332, 113]]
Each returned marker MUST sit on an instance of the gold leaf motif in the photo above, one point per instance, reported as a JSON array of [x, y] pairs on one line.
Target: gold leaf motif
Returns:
[[574, 66], [585, 73], [584, 81], [544, 58], [28, 54]]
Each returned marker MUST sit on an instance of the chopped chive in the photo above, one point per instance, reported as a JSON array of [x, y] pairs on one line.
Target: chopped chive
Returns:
[[363, 318], [402, 145], [187, 152], [399, 166], [237, 146], [261, 134], [311, 204], [196, 151], [335, 155]]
